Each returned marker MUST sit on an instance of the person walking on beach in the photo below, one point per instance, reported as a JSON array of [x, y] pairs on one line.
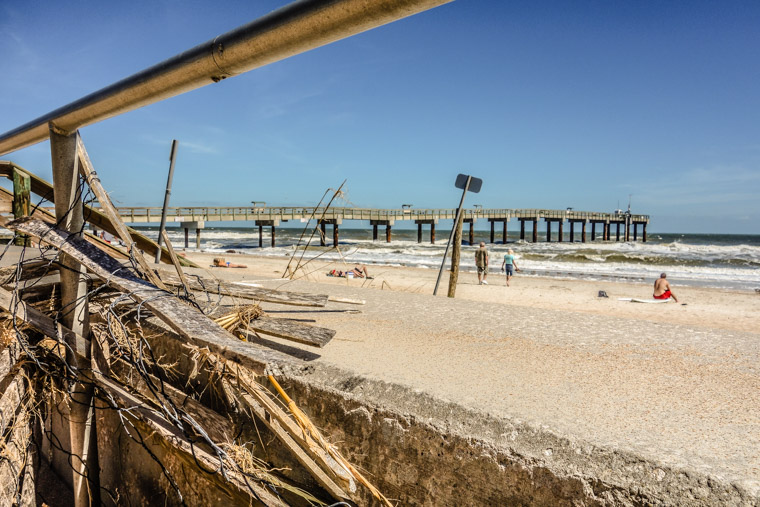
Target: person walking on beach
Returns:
[[510, 264], [481, 261], [662, 289]]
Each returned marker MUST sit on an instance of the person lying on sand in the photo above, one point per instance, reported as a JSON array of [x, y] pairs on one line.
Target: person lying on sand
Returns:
[[359, 271], [219, 262], [662, 289]]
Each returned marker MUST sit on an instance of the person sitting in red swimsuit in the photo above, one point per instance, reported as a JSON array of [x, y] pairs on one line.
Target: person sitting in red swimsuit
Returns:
[[662, 289]]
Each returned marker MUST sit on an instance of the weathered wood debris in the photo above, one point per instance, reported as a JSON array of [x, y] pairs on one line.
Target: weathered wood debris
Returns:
[[178, 396]]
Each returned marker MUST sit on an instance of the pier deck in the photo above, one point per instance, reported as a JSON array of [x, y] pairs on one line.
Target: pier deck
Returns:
[[194, 218]]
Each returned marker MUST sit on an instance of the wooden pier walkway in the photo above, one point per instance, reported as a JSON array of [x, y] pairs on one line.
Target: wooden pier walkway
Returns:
[[194, 218]]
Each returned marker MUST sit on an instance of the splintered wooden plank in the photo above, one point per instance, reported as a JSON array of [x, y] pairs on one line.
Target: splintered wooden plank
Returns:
[[200, 283], [293, 331], [186, 321], [257, 410], [89, 174]]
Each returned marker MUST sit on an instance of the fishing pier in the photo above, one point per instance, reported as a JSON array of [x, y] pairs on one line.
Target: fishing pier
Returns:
[[626, 225]]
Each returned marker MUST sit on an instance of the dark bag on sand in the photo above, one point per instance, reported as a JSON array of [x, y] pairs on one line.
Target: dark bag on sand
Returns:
[[603, 294]]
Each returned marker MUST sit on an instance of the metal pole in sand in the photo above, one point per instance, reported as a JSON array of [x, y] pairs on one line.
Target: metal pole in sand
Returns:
[[166, 199], [465, 188]]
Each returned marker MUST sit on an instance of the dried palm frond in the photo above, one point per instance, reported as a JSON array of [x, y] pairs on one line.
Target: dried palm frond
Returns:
[[240, 318]]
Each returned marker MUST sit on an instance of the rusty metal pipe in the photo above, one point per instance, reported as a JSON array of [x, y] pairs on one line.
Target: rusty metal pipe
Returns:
[[293, 29]]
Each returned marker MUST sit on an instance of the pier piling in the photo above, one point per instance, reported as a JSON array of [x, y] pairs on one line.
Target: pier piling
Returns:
[[535, 230]]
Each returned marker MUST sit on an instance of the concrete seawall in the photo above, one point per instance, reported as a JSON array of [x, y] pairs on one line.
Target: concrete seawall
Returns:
[[424, 451]]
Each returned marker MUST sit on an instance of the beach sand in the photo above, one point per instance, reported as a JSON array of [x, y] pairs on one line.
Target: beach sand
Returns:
[[677, 385]]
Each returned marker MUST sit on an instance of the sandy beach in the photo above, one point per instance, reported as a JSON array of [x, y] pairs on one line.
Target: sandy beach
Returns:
[[675, 384], [702, 307]]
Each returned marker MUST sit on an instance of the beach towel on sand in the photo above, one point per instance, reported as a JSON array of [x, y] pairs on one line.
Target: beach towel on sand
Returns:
[[636, 300]]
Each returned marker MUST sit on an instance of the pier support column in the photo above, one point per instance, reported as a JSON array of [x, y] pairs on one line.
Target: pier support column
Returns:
[[387, 223], [572, 232], [535, 231], [267, 223], [522, 230], [560, 233], [504, 232], [195, 225], [492, 231], [548, 231], [617, 231], [323, 234], [606, 231], [644, 232], [261, 236], [593, 231], [583, 233], [635, 231], [627, 228], [432, 233], [335, 234], [472, 232], [419, 232], [187, 239]]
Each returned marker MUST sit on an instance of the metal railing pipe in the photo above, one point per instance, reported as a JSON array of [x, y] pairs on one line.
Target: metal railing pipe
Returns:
[[293, 29]]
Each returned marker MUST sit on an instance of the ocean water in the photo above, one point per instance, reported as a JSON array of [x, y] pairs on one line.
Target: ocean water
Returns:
[[711, 260]]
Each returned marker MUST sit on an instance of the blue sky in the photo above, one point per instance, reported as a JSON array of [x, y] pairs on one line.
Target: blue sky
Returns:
[[552, 104]]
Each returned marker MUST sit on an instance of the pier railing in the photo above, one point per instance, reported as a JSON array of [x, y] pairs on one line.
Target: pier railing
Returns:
[[144, 214]]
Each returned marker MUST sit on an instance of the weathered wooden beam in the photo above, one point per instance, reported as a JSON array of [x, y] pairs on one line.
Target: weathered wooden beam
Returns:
[[293, 331], [91, 177], [186, 321], [22, 204], [46, 216], [214, 286], [174, 259], [92, 215]]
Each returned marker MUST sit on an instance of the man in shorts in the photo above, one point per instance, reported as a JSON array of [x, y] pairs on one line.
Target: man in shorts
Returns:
[[481, 261], [510, 265], [662, 289]]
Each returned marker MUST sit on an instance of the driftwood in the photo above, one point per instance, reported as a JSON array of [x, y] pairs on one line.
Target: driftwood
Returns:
[[199, 283], [186, 321], [290, 330]]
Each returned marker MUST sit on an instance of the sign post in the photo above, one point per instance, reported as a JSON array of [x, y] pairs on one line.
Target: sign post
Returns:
[[465, 182]]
